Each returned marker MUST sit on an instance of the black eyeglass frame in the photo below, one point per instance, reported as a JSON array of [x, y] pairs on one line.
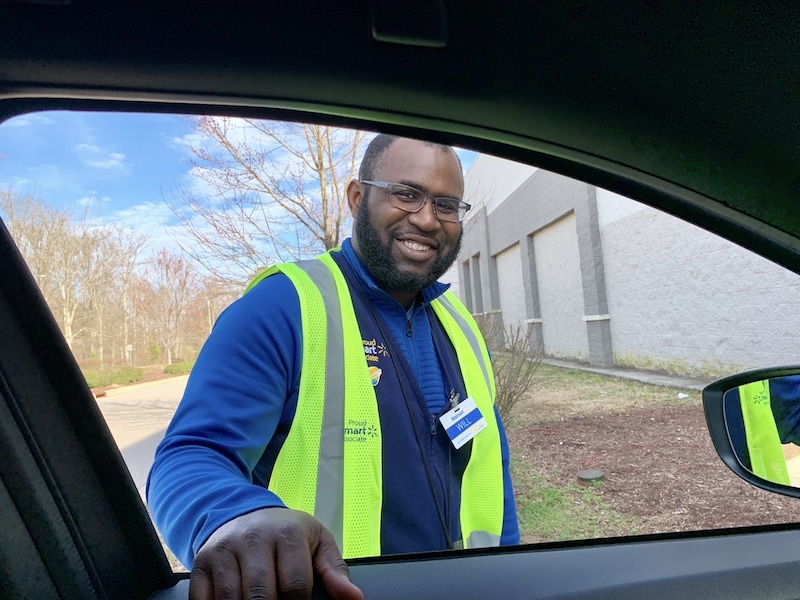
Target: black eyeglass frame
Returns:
[[392, 188]]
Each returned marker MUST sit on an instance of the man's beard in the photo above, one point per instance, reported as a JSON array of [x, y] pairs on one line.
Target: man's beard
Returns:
[[378, 259]]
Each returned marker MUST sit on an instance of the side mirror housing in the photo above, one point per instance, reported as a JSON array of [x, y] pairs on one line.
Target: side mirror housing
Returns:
[[754, 422]]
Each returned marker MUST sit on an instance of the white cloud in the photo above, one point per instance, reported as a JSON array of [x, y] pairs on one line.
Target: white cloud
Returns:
[[96, 157], [154, 219], [92, 199], [18, 183], [51, 181], [190, 140], [27, 121], [147, 213]]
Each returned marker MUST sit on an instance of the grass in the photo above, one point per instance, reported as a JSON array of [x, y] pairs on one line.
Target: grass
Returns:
[[558, 394], [179, 368], [551, 510]]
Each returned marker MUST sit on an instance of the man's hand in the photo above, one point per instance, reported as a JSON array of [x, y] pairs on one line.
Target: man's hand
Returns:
[[270, 553]]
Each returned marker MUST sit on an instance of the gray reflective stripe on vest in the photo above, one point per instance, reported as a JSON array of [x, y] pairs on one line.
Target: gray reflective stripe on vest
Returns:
[[328, 507], [479, 539], [470, 335], [482, 539]]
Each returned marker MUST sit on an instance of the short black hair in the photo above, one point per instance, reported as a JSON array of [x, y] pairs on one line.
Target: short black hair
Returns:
[[378, 146]]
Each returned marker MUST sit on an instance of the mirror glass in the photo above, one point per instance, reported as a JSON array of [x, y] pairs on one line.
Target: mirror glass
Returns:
[[763, 422]]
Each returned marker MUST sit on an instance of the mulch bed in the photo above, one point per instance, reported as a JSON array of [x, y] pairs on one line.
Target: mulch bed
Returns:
[[659, 466]]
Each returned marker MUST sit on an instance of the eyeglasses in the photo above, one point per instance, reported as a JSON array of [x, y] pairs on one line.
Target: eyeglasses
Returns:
[[412, 200]]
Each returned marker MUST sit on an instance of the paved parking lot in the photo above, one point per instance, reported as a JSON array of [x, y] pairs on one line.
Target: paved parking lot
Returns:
[[137, 416]]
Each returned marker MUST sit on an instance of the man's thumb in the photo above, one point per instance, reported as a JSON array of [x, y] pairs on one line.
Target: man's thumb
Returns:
[[332, 570]]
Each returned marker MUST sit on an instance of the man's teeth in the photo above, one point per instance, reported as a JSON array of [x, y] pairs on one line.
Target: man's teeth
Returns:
[[416, 246]]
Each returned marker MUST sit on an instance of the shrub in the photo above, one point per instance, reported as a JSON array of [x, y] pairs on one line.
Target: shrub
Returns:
[[514, 361], [154, 353], [106, 377], [179, 368]]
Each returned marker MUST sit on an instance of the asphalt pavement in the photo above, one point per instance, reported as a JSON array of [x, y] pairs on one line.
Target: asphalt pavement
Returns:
[[137, 416]]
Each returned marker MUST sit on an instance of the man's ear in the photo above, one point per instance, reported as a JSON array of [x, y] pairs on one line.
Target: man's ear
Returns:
[[355, 195]]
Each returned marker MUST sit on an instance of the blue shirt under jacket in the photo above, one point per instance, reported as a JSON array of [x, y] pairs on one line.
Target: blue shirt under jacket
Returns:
[[240, 401]]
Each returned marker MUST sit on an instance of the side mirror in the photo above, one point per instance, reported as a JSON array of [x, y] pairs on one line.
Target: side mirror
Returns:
[[754, 422]]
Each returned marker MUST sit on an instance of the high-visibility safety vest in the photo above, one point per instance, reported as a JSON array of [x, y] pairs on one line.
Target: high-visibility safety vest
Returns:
[[341, 483], [763, 442]]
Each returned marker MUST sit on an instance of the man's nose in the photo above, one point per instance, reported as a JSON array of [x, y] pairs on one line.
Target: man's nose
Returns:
[[425, 218]]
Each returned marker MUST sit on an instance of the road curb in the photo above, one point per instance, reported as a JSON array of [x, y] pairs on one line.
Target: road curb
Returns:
[[650, 377], [126, 388]]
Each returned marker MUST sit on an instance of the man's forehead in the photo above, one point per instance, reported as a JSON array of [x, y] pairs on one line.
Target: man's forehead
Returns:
[[420, 156]]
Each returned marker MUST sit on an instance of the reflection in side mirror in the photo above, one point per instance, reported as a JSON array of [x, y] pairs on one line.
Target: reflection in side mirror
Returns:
[[762, 419], [754, 422]]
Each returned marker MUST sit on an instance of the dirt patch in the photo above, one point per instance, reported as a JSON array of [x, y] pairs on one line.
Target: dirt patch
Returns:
[[660, 468]]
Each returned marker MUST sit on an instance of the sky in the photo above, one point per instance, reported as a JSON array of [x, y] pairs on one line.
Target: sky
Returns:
[[120, 165], [123, 166]]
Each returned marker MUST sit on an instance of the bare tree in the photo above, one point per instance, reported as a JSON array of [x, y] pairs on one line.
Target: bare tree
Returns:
[[174, 284], [54, 251], [264, 192], [78, 263], [36, 229], [108, 290]]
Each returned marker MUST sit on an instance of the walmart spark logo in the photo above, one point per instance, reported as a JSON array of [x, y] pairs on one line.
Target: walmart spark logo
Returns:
[[360, 431], [373, 350]]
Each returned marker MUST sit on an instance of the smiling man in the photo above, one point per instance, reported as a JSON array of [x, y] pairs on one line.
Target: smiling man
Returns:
[[344, 406], [406, 253]]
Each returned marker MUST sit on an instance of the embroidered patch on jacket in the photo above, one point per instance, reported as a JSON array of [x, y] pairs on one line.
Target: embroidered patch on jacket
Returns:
[[373, 352], [375, 375]]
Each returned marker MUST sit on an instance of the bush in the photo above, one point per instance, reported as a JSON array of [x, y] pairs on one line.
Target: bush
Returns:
[[514, 361], [106, 377], [179, 368], [154, 353]]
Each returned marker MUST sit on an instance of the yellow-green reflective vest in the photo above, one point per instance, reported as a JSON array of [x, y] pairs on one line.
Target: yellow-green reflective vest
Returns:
[[763, 442], [341, 484]]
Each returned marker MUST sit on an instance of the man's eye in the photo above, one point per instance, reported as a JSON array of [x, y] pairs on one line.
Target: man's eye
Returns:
[[446, 206], [406, 196]]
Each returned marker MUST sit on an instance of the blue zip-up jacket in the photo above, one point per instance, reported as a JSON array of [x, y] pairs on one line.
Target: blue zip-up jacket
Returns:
[[240, 401]]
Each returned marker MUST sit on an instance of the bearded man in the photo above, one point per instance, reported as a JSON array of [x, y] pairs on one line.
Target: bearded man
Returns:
[[343, 407]]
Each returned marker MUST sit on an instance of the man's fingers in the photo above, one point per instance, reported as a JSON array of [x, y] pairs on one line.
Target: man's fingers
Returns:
[[293, 563], [258, 575], [200, 585], [215, 576], [332, 570], [270, 553]]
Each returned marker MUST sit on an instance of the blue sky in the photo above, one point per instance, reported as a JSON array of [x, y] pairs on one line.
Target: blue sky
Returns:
[[122, 165]]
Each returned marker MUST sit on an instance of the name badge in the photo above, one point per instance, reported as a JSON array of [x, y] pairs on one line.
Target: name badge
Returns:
[[463, 422]]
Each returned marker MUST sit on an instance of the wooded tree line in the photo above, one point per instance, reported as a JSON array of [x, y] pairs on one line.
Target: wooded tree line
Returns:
[[115, 302], [270, 192]]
